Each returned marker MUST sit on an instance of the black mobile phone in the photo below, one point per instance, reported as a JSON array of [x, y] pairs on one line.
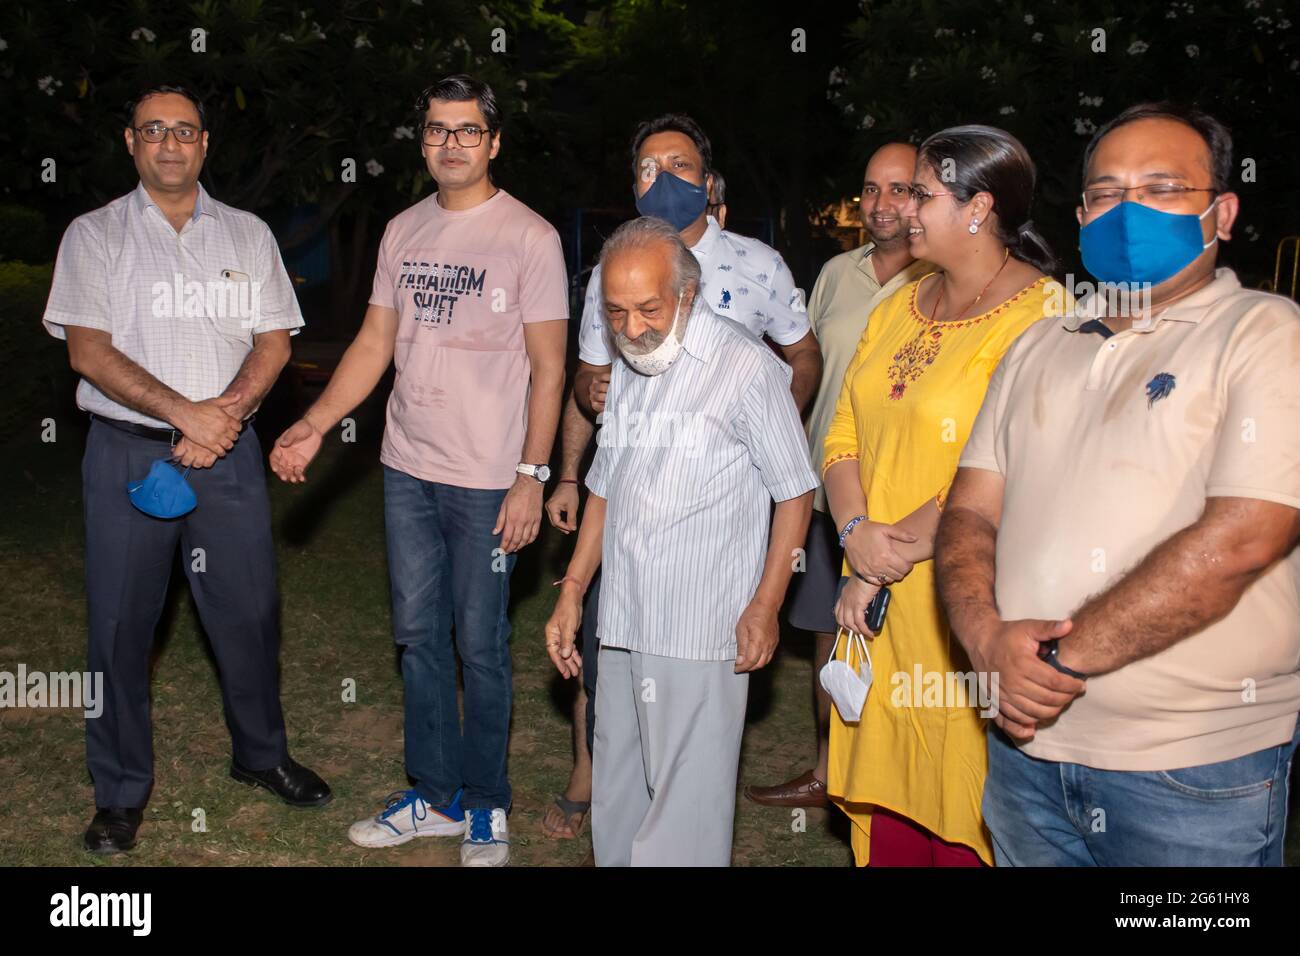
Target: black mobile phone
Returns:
[[876, 611]]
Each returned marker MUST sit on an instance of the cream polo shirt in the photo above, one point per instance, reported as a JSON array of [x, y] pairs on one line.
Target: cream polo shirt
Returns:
[[1110, 445]]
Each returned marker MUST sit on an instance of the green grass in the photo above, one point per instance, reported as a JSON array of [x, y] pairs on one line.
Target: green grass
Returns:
[[335, 613]]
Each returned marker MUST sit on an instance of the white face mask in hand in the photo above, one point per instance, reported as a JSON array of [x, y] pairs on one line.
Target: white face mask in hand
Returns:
[[848, 687]]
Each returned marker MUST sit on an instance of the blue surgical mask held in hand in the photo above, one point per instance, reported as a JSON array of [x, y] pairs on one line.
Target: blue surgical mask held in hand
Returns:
[[674, 200], [1134, 243], [164, 492]]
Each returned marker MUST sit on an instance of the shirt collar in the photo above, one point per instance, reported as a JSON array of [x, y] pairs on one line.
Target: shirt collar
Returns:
[[203, 205], [865, 265], [712, 233], [1191, 309]]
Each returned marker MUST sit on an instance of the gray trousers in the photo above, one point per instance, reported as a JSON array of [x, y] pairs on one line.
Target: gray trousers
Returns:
[[664, 767]]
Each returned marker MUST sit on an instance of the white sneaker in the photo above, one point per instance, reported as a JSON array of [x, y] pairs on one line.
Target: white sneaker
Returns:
[[487, 838], [406, 816]]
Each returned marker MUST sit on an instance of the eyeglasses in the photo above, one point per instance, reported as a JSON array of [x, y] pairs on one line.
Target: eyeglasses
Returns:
[[156, 133], [467, 136], [920, 196], [1157, 195]]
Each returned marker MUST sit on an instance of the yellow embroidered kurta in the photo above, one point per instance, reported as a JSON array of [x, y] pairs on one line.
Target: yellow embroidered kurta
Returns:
[[909, 399]]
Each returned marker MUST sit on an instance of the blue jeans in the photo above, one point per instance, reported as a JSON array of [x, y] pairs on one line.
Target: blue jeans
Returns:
[[1042, 813], [445, 573]]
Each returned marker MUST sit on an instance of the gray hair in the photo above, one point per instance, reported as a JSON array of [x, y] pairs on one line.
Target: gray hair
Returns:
[[646, 231]]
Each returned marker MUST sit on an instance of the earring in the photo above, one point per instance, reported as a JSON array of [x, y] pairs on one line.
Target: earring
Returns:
[[974, 226]]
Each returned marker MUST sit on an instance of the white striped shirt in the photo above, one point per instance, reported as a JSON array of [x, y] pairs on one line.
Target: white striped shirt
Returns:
[[162, 295], [689, 462]]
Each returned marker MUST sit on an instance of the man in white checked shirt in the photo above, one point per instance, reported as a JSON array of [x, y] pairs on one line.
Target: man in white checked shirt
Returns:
[[177, 312], [701, 434]]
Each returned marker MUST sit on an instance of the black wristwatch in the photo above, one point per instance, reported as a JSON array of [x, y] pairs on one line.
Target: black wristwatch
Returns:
[[1050, 651]]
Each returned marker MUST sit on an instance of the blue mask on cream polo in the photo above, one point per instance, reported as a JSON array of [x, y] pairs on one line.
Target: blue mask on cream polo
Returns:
[[164, 492]]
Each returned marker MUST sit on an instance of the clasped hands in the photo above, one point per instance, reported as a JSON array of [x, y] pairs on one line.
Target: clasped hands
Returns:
[[208, 430]]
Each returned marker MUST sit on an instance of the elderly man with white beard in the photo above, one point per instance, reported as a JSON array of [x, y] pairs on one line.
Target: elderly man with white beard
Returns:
[[692, 580]]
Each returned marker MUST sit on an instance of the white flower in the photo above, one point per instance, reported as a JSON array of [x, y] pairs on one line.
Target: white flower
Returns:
[[911, 71], [1007, 110], [1029, 18], [1192, 49], [403, 132], [417, 43], [373, 167], [1138, 46], [460, 44], [1037, 38], [987, 73], [316, 32], [848, 108], [286, 37], [1084, 126], [1295, 65], [3, 44], [48, 85], [868, 122], [362, 40], [523, 86], [836, 77], [944, 32], [1089, 100], [149, 35]]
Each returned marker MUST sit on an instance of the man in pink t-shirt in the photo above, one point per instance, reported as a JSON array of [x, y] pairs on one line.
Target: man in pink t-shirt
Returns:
[[470, 304]]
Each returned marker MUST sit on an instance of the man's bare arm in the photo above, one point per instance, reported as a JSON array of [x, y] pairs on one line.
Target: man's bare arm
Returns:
[[965, 551], [789, 532], [545, 342], [805, 359], [576, 430], [1189, 581], [92, 355], [261, 367], [584, 379], [359, 371]]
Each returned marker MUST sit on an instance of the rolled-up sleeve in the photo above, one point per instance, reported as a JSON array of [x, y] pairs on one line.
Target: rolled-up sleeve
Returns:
[[771, 430]]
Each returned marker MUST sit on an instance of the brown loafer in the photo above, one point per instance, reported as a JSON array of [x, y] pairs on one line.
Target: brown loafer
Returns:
[[804, 790]]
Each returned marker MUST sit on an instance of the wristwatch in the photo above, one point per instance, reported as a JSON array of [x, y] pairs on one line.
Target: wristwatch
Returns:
[[541, 472], [1049, 652]]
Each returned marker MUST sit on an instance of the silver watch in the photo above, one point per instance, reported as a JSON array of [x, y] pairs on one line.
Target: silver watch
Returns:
[[541, 472]]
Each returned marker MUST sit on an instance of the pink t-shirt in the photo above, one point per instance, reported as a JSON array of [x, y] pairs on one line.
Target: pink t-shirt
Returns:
[[463, 284]]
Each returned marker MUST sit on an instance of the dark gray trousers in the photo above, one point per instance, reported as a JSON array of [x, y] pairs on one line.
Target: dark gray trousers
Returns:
[[129, 559]]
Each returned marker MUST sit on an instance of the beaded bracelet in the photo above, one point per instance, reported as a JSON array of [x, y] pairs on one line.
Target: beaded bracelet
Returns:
[[850, 526]]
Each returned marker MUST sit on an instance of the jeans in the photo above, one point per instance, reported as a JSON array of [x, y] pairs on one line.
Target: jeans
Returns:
[[1231, 813], [446, 573]]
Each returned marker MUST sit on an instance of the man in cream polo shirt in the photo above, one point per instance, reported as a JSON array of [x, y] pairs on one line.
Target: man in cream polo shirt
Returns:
[[1133, 478]]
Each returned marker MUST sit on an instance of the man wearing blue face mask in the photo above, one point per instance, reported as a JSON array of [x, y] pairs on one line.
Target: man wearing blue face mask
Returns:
[[1125, 521]]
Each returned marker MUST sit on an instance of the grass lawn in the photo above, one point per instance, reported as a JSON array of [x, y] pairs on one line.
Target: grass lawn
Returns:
[[335, 613]]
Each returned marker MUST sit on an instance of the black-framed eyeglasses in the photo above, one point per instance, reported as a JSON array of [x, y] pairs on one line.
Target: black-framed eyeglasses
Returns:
[[1157, 195], [157, 132], [466, 137]]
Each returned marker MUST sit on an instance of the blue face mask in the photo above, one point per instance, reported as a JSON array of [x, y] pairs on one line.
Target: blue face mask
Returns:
[[1135, 243], [164, 493], [673, 199]]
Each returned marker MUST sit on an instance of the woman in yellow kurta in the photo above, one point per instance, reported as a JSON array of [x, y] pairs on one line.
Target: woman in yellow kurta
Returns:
[[909, 399]]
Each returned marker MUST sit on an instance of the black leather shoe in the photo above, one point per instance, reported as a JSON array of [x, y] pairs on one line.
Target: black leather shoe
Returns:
[[291, 782], [113, 829]]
